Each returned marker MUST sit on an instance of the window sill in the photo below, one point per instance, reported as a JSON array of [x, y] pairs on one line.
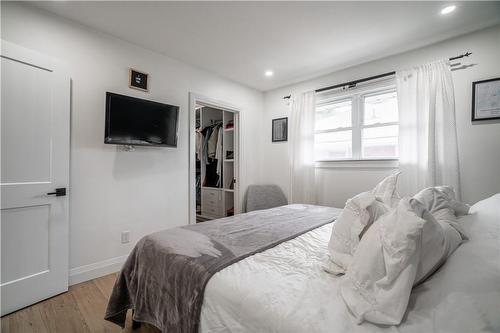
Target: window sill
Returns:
[[361, 164]]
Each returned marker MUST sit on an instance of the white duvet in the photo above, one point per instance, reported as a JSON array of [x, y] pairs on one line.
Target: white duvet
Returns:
[[285, 288]]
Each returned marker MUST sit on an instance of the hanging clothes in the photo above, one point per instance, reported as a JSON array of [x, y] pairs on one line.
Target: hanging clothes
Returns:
[[218, 151], [207, 131], [211, 177], [211, 153], [212, 142], [199, 144]]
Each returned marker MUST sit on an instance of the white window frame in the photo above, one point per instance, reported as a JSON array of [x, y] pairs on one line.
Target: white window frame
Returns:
[[357, 95]]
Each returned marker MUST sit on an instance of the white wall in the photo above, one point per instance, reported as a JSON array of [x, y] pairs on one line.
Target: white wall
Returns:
[[147, 190], [112, 190], [479, 144]]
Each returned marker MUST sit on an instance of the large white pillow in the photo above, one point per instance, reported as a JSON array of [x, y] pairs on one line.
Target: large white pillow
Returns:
[[439, 239], [459, 207], [441, 202], [356, 217], [378, 283], [385, 191], [400, 249]]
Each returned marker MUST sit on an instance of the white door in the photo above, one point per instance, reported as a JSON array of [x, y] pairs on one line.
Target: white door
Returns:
[[35, 116]]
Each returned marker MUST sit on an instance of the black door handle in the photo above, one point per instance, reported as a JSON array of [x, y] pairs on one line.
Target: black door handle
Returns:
[[59, 192]]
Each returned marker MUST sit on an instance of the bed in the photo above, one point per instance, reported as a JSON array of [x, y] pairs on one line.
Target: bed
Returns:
[[285, 288]]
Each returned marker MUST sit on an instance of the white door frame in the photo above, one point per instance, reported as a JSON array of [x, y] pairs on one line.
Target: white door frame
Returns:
[[62, 82], [193, 100]]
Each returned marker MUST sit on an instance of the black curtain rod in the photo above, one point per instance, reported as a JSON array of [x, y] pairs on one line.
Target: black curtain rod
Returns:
[[352, 84]]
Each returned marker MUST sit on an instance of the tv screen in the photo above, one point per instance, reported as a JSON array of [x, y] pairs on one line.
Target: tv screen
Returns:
[[139, 122]]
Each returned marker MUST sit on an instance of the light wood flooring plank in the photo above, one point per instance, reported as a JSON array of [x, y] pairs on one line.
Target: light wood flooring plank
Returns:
[[80, 310]]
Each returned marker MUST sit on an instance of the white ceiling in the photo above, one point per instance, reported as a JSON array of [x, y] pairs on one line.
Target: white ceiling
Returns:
[[298, 40]]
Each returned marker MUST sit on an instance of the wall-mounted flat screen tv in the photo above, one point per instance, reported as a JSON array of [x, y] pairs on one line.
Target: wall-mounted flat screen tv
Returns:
[[139, 122]]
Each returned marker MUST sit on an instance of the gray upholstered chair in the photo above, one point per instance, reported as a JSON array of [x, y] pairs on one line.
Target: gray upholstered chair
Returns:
[[264, 197]]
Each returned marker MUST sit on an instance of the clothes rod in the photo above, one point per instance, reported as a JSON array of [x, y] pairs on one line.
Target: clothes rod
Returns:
[[351, 84]]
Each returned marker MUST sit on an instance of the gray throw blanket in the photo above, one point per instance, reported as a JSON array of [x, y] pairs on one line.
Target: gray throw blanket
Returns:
[[164, 278]]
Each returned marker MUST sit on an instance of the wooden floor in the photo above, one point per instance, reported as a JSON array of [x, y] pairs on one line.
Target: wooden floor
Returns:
[[80, 310]]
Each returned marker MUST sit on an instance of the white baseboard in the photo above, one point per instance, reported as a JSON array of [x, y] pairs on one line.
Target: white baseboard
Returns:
[[95, 270]]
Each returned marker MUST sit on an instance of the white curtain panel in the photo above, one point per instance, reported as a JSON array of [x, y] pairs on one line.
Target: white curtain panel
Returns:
[[302, 177], [428, 152]]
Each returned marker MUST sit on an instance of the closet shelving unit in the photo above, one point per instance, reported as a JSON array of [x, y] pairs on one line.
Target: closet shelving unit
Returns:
[[216, 201]]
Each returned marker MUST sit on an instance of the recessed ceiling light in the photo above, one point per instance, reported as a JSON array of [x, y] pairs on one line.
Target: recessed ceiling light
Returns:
[[268, 73], [448, 9]]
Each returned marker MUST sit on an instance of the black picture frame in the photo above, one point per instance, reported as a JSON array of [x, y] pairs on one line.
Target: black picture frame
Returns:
[[280, 129], [474, 111], [138, 80]]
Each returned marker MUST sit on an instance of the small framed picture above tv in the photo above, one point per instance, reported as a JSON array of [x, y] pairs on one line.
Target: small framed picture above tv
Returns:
[[486, 99], [138, 80]]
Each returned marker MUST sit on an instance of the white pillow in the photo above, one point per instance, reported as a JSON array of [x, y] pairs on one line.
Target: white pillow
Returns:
[[401, 249], [441, 202], [435, 198], [358, 214], [439, 240], [356, 217], [385, 191], [378, 283], [459, 207]]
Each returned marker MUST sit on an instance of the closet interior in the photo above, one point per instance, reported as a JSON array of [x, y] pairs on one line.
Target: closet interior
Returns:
[[216, 162]]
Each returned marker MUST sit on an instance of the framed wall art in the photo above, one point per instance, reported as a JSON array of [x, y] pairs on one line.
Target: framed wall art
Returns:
[[486, 99], [138, 80], [280, 130]]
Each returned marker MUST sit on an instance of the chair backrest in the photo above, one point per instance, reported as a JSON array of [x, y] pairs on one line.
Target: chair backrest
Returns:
[[264, 197]]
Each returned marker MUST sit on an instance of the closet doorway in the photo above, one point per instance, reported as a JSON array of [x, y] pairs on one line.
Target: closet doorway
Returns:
[[214, 159]]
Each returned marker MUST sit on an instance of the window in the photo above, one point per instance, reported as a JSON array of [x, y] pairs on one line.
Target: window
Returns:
[[360, 124]]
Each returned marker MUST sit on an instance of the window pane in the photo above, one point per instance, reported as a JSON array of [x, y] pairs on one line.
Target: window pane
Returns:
[[382, 108], [333, 146], [380, 142], [333, 115]]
